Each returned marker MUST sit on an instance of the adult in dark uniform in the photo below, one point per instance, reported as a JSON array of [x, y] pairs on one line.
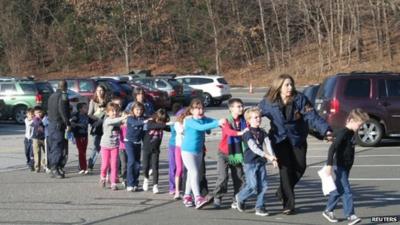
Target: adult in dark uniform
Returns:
[[290, 114], [59, 116]]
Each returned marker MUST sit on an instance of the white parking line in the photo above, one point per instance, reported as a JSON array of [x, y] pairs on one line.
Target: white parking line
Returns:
[[358, 156], [363, 166], [375, 179]]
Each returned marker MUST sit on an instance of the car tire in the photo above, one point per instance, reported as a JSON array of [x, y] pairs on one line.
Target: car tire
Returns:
[[370, 133], [19, 114], [207, 100]]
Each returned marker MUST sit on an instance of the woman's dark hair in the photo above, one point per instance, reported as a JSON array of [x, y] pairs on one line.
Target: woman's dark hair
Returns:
[[160, 116], [273, 94], [105, 97], [137, 92]]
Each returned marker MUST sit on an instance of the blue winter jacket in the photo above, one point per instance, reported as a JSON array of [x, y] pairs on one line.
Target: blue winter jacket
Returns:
[[134, 129], [295, 128]]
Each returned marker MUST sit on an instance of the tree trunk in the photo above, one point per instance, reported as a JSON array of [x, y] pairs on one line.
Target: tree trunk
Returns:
[[216, 46], [387, 33], [126, 44], [280, 32], [288, 30], [267, 51], [358, 32]]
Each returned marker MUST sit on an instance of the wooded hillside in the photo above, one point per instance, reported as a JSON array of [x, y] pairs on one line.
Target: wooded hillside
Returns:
[[243, 39]]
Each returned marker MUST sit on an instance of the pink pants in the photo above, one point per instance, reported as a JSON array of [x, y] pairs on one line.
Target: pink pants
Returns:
[[178, 161], [109, 158]]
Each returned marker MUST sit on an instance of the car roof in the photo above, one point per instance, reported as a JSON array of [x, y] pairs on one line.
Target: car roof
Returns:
[[363, 73], [201, 76]]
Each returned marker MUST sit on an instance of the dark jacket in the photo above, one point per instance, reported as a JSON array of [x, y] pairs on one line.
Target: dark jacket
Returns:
[[258, 135], [292, 125], [341, 151], [148, 108], [153, 136], [134, 129], [58, 109], [38, 129], [81, 123]]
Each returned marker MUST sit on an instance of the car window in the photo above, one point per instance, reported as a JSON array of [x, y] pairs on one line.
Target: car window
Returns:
[[327, 88], [28, 88], [393, 88], [357, 88], [382, 91], [174, 82], [204, 81], [86, 86], [8, 88], [160, 84], [44, 87], [71, 85], [222, 81]]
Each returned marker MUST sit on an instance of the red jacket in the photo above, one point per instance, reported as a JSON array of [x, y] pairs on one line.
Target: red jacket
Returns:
[[227, 131]]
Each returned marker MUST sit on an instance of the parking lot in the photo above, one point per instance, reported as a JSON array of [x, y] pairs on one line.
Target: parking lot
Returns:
[[31, 198]]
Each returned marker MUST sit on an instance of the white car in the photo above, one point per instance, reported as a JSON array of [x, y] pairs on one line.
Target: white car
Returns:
[[215, 88]]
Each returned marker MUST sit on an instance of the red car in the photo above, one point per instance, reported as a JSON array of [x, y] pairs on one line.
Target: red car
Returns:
[[160, 99]]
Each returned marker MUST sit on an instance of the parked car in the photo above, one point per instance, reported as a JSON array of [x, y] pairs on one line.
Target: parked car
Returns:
[[85, 87], [378, 93], [160, 99], [311, 92], [215, 88], [191, 93], [169, 85], [20, 94]]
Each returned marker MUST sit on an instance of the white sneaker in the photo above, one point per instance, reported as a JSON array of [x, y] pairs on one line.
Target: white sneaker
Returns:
[[155, 189], [86, 172], [135, 188], [353, 219], [150, 172], [146, 184], [81, 172], [129, 189]]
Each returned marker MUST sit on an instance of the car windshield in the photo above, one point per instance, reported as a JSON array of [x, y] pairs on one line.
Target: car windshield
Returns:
[[44, 87], [28, 88], [222, 81], [326, 89]]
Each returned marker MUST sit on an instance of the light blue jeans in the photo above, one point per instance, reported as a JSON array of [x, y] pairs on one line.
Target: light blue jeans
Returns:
[[256, 183], [342, 190]]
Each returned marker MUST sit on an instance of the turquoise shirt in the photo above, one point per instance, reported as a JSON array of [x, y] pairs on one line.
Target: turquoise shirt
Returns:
[[173, 135], [194, 133]]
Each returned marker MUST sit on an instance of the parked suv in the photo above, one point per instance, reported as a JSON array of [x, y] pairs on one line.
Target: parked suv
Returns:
[[169, 85], [84, 87], [215, 88], [377, 93], [18, 95]]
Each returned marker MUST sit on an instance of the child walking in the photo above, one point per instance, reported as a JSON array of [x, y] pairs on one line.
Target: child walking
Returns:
[[109, 145], [192, 150], [80, 122], [39, 151], [230, 155], [133, 144], [122, 150], [341, 155], [28, 139], [178, 127], [151, 147], [254, 162]]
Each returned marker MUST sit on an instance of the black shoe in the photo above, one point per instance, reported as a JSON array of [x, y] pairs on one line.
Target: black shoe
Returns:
[[55, 174], [61, 172]]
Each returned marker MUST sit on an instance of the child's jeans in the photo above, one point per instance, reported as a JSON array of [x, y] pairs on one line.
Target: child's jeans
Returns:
[[342, 190], [28, 151], [95, 151], [109, 158], [133, 151], [256, 183], [81, 144]]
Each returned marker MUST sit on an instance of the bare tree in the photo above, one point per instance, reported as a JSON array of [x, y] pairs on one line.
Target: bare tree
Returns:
[[216, 45], [267, 51]]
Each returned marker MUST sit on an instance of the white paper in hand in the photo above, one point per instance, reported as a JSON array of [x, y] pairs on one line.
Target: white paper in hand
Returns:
[[328, 184]]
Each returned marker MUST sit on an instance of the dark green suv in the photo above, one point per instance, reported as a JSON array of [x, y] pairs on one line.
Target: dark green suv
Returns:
[[18, 95]]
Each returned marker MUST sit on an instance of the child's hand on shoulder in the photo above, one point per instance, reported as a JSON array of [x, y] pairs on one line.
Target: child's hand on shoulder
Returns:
[[221, 122], [169, 123], [273, 159]]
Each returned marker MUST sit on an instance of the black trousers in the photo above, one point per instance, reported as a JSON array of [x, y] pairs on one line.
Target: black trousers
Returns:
[[292, 165], [151, 158], [57, 146], [237, 175]]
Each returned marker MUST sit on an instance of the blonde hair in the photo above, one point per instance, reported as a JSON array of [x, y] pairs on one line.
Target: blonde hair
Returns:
[[247, 114], [358, 115], [273, 94], [112, 106]]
